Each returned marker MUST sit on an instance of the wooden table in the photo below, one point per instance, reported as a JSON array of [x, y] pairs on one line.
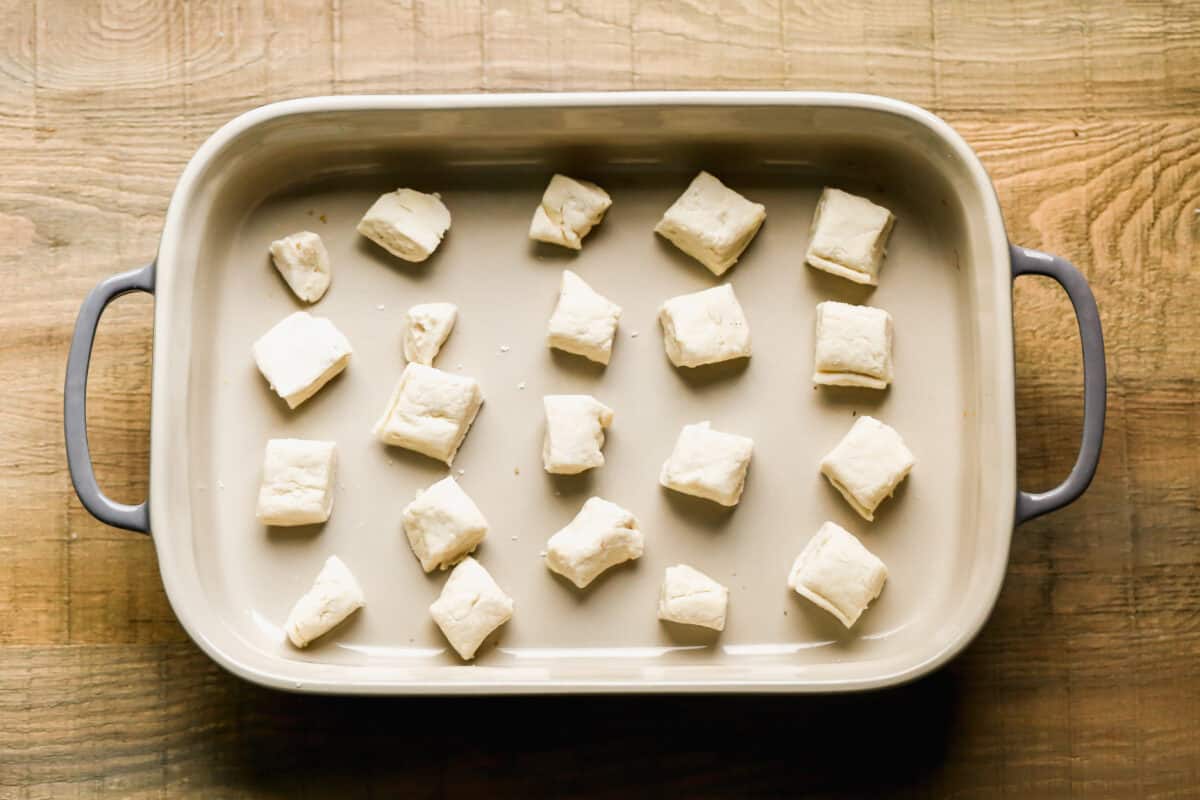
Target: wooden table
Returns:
[[1085, 682]]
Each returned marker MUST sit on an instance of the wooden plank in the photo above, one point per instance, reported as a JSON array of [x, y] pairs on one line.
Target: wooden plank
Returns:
[[734, 44], [144, 720], [581, 45], [878, 47], [449, 46], [32, 542], [1063, 60]]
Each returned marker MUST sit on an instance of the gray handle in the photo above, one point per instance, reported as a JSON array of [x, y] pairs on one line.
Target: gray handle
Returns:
[[79, 458], [1095, 380]]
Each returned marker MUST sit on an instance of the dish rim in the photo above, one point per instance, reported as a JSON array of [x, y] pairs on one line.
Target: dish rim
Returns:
[[172, 572]]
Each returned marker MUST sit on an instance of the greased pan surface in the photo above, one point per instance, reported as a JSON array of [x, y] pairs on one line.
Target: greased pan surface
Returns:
[[318, 164]]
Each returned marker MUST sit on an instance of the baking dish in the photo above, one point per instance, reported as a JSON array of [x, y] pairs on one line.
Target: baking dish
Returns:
[[317, 163]]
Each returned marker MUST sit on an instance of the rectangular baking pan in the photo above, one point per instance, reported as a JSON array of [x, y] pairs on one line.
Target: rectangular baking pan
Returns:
[[318, 163]]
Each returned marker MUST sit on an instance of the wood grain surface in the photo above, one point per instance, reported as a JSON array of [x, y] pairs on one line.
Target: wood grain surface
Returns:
[[1086, 681]]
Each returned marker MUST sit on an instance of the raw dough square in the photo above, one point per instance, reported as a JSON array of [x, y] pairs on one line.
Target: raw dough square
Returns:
[[690, 597], [838, 573], [712, 223], [443, 525], [854, 346], [334, 595], [300, 355], [303, 262], [407, 223], [568, 211], [849, 236], [709, 464], [602, 535], [584, 322], [867, 465], [470, 607], [575, 426], [426, 327], [704, 327], [430, 411], [297, 482]]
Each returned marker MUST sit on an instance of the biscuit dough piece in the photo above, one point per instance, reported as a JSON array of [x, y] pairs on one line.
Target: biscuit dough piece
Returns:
[[297, 482], [849, 236], [443, 525], [854, 346], [704, 327], [300, 355], [568, 211], [426, 327], [303, 262], [867, 465], [430, 411], [575, 426], [334, 595], [711, 223], [838, 573], [584, 322], [690, 597], [407, 223], [470, 607], [602, 535], [708, 464]]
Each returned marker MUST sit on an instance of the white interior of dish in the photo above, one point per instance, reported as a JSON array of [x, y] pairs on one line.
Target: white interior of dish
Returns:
[[317, 164]]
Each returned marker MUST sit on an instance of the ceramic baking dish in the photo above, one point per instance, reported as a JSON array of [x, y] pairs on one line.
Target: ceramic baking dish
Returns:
[[318, 163]]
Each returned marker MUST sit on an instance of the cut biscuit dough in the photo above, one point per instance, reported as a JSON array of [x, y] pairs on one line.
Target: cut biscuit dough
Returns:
[[711, 223], [705, 327], [569, 210], [470, 607], [334, 595], [709, 464], [575, 426], [407, 223], [300, 355], [443, 525], [584, 321], [297, 482], [849, 236], [690, 597], [426, 327], [838, 573], [303, 261], [867, 465], [602, 535], [430, 412], [854, 346]]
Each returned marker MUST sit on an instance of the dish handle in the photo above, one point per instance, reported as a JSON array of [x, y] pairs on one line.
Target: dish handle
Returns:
[[79, 459], [1095, 381]]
